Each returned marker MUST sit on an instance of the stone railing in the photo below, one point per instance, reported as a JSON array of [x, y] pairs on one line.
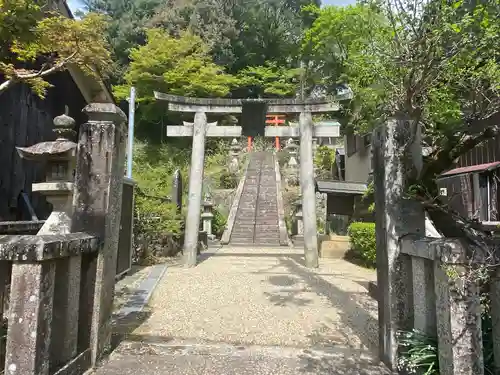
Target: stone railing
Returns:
[[59, 286], [47, 320], [423, 283], [439, 300]]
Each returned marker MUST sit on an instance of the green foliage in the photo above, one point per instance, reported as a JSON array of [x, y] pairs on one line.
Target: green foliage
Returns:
[[211, 20], [432, 62], [179, 66], [269, 80], [153, 171], [218, 223], [37, 42], [341, 48], [228, 180], [269, 31], [419, 353], [324, 160], [363, 242], [125, 29]]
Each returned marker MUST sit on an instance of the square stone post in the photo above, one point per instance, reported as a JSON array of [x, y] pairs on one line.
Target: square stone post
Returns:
[[195, 190], [177, 190], [299, 219], [396, 157], [97, 210], [308, 190], [495, 315], [458, 312], [30, 318], [4, 280]]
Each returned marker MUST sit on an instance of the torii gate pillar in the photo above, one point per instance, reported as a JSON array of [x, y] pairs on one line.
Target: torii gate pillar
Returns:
[[308, 190], [195, 189]]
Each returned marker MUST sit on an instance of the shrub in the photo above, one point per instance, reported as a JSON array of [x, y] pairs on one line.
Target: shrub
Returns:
[[228, 180], [363, 243], [324, 160], [218, 223]]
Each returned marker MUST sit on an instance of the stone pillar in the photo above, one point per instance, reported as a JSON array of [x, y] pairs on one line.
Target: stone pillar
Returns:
[[195, 190], [207, 217], [394, 163], [4, 297], [299, 219], [460, 340], [495, 317], [177, 190], [30, 319], [308, 190], [97, 210]]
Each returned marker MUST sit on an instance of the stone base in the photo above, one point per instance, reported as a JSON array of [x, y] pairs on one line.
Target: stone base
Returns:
[[298, 240], [58, 222], [333, 247], [373, 290], [202, 241]]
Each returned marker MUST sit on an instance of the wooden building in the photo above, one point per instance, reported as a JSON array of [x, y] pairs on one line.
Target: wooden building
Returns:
[[25, 119], [471, 187]]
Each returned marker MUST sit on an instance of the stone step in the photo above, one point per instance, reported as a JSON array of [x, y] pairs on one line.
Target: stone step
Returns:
[[257, 219], [253, 224]]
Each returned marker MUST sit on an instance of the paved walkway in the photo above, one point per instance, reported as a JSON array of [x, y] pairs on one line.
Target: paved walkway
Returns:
[[253, 311]]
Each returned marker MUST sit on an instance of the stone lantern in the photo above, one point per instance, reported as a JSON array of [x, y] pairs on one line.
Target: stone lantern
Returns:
[[292, 165], [235, 148], [207, 217], [60, 158], [293, 149]]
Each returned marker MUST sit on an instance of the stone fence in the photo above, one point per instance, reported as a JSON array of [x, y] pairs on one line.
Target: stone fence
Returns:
[[59, 287], [49, 319], [424, 283], [436, 298]]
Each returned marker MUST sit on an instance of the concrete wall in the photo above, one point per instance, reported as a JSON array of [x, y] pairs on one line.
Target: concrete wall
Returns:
[[358, 165]]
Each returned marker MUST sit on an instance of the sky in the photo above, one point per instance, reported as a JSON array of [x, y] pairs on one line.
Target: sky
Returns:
[[75, 4]]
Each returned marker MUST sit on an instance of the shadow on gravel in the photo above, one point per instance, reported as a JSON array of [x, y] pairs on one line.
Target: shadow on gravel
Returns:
[[353, 313], [350, 363], [130, 316], [124, 326]]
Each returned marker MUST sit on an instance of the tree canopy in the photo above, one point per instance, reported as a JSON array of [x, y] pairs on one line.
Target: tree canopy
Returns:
[[435, 62], [36, 42]]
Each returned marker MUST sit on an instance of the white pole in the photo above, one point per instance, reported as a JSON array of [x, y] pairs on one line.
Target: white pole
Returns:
[[131, 114]]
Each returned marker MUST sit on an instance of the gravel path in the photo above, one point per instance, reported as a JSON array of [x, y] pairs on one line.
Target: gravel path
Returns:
[[243, 305]]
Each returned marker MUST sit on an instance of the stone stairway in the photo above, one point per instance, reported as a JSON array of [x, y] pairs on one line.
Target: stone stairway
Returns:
[[256, 221]]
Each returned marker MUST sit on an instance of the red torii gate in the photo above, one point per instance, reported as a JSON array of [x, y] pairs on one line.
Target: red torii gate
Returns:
[[276, 120]]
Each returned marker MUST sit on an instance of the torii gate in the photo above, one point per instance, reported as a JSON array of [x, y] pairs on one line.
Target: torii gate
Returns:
[[201, 129]]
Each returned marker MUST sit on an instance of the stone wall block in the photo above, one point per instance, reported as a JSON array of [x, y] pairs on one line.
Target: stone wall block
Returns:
[[30, 318]]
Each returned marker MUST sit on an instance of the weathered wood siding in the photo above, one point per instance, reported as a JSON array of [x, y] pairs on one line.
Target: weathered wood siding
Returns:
[[487, 152], [25, 119]]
